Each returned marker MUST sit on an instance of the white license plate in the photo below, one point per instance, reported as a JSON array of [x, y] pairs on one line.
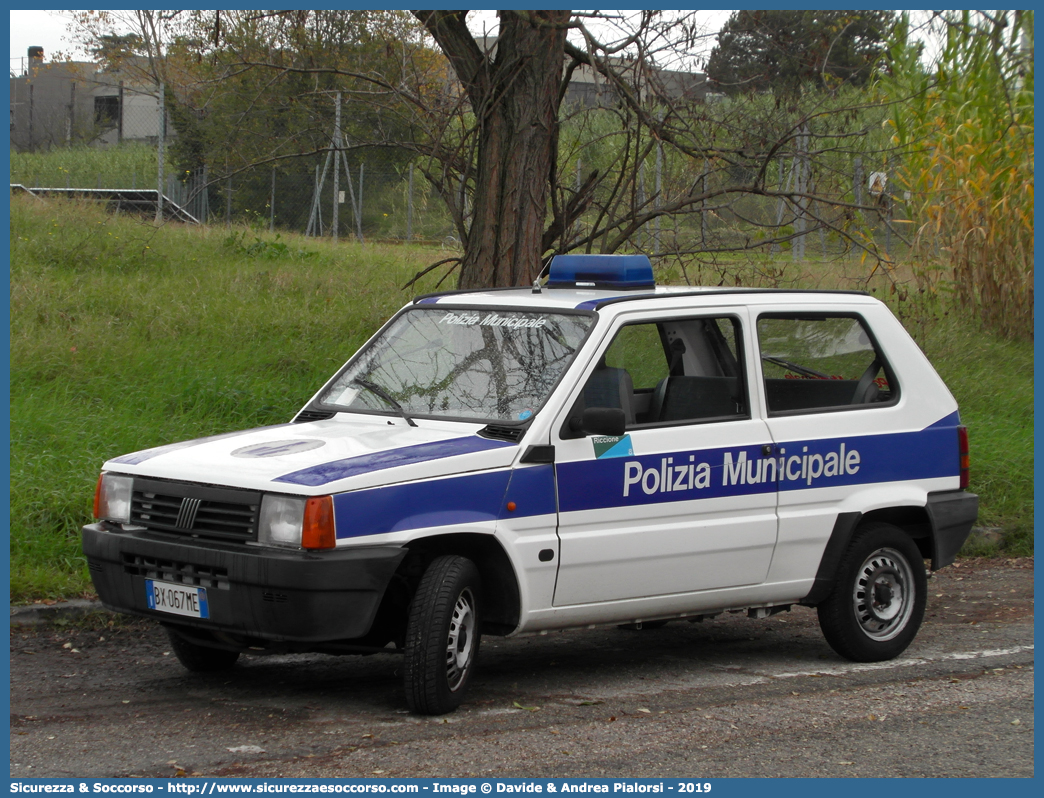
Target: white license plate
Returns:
[[177, 599]]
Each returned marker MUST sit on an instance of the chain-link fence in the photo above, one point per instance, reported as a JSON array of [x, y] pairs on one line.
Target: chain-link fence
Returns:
[[104, 134], [376, 195]]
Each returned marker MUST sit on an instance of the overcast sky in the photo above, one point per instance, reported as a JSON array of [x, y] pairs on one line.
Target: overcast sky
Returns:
[[44, 28]]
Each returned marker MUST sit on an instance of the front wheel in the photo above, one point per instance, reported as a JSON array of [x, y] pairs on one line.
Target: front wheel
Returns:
[[442, 636], [878, 601]]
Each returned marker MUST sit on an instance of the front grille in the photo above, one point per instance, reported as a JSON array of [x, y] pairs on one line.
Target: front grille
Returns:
[[173, 571], [196, 510]]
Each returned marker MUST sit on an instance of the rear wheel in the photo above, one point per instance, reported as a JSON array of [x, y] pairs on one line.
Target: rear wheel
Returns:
[[442, 636], [878, 601], [200, 658]]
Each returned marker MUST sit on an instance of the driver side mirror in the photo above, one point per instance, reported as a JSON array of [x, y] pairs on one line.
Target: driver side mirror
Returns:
[[600, 421]]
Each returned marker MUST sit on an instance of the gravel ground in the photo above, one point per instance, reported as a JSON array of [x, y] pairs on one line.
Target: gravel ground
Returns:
[[100, 696]]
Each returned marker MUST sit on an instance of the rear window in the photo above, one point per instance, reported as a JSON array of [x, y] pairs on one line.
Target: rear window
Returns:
[[819, 363]]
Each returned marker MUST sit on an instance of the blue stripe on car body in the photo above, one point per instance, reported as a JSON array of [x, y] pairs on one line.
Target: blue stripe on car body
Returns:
[[468, 499], [322, 474], [685, 475], [600, 484]]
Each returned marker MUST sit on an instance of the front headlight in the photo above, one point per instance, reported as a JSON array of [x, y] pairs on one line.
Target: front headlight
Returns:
[[297, 522], [282, 518], [112, 498]]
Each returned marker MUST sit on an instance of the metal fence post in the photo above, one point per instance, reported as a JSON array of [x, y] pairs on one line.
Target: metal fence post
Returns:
[[71, 119], [857, 181], [822, 241], [228, 203], [119, 118], [775, 248], [575, 228], [659, 192], [315, 218], [801, 184], [337, 168], [311, 213], [271, 204], [351, 194], [409, 207], [889, 205], [703, 202], [640, 202], [359, 216], [160, 155], [203, 190]]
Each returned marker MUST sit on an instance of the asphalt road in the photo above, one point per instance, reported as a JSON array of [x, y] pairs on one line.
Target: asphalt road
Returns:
[[726, 697]]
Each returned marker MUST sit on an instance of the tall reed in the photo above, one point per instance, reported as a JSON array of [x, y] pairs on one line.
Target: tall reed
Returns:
[[965, 127]]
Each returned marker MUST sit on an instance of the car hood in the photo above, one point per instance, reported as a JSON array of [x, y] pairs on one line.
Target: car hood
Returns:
[[346, 452]]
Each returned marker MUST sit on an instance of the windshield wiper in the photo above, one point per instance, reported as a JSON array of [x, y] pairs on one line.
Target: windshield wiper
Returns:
[[387, 397]]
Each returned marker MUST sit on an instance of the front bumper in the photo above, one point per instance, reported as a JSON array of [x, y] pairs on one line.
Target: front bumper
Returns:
[[298, 596]]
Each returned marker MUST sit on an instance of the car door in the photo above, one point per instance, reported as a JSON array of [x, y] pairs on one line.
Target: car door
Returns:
[[832, 406], [685, 500]]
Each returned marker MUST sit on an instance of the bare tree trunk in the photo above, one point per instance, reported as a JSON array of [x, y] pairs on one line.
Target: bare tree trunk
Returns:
[[515, 97]]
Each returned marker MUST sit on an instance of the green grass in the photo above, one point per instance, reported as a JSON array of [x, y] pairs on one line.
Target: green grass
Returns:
[[124, 336], [992, 379], [130, 165]]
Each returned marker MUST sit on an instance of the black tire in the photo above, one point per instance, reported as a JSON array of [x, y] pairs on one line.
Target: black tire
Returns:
[[443, 633], [878, 601], [199, 658]]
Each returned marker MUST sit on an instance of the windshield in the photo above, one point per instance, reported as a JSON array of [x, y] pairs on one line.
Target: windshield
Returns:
[[487, 365]]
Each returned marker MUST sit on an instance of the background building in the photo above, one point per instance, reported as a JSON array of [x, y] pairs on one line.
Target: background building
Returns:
[[62, 103]]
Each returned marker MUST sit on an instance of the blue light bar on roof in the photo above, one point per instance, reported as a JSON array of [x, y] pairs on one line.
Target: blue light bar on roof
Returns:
[[601, 271]]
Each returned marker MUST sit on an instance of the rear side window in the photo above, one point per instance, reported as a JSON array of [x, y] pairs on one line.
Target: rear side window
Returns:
[[821, 363]]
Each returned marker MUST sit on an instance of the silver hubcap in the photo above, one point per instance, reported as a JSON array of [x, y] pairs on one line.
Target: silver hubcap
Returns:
[[883, 594], [460, 645]]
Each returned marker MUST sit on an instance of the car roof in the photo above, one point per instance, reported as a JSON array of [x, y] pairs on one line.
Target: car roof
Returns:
[[593, 299]]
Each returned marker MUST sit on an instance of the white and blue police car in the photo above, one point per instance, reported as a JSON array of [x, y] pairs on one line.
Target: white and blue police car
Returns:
[[593, 450]]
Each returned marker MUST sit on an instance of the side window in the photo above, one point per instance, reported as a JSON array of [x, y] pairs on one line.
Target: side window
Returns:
[[671, 372], [815, 363], [638, 348]]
